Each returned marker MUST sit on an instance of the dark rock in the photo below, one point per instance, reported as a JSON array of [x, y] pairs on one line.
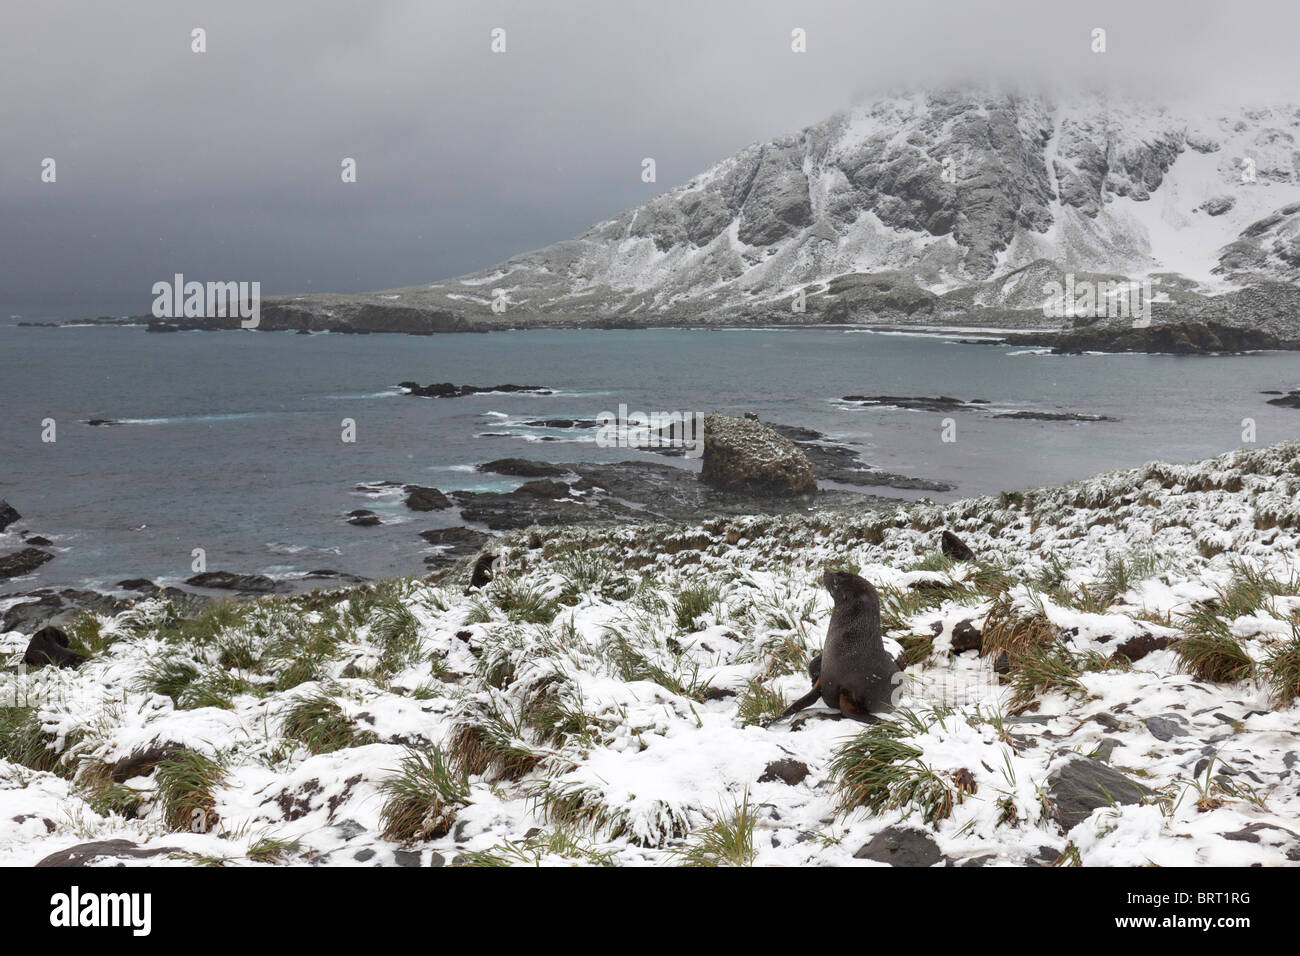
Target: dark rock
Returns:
[[448, 390], [229, 581], [1178, 338], [407, 857], [22, 617], [96, 422], [7, 514], [361, 856], [143, 585], [23, 561], [544, 488], [1162, 728], [955, 548], [363, 518], [1136, 648], [1289, 400], [419, 498], [900, 846], [521, 468], [84, 854], [38, 540], [49, 645], [943, 403], [1081, 785], [789, 772], [457, 542], [1055, 417], [745, 455]]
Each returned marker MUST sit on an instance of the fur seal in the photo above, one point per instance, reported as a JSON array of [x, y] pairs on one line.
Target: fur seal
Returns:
[[955, 548], [49, 645], [853, 674], [482, 572]]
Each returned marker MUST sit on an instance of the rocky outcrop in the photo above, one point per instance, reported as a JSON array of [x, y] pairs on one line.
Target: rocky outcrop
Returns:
[[744, 455], [229, 581], [23, 561], [7, 514], [1189, 338], [420, 498]]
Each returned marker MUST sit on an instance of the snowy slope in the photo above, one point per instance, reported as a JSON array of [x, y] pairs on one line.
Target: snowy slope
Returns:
[[940, 191]]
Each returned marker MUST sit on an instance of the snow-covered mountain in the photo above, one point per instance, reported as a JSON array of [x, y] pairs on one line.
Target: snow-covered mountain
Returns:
[[928, 204]]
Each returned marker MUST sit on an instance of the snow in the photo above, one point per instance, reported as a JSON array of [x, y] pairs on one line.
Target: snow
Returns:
[[647, 737]]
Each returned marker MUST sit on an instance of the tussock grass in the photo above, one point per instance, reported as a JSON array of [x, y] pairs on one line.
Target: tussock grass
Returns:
[[186, 782], [693, 602], [1250, 590], [728, 839], [1282, 671], [23, 741], [560, 841], [272, 849], [1009, 628], [879, 771], [1041, 668], [319, 723], [1209, 650], [759, 702], [420, 802], [488, 740], [522, 603]]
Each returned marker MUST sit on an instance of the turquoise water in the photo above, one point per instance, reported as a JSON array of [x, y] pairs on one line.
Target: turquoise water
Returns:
[[231, 441]]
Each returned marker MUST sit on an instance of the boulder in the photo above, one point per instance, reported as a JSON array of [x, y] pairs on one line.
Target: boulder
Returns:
[[521, 468], [901, 846], [745, 455], [7, 514], [1082, 785], [419, 498], [789, 772]]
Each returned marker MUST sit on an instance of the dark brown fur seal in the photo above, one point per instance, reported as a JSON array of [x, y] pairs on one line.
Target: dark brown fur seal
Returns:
[[482, 572], [955, 548], [853, 674]]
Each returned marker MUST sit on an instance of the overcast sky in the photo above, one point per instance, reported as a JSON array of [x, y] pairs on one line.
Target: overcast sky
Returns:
[[225, 165]]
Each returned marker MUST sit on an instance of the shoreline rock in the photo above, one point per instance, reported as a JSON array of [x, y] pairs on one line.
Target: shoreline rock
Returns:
[[744, 455]]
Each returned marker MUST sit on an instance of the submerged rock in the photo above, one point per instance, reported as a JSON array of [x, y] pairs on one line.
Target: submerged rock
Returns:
[[743, 454], [448, 390]]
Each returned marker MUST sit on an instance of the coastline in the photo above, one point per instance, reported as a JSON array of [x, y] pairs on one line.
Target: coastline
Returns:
[[606, 686]]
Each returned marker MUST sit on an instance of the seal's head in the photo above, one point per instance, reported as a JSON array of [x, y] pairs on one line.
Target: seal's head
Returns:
[[845, 586]]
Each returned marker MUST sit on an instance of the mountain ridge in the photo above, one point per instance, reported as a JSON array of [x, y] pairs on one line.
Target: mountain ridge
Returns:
[[948, 207]]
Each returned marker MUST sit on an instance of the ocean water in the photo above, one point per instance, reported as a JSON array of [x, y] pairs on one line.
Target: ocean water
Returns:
[[231, 442]]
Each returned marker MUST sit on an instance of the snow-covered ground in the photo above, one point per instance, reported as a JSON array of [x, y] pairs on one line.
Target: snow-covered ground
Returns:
[[602, 701]]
